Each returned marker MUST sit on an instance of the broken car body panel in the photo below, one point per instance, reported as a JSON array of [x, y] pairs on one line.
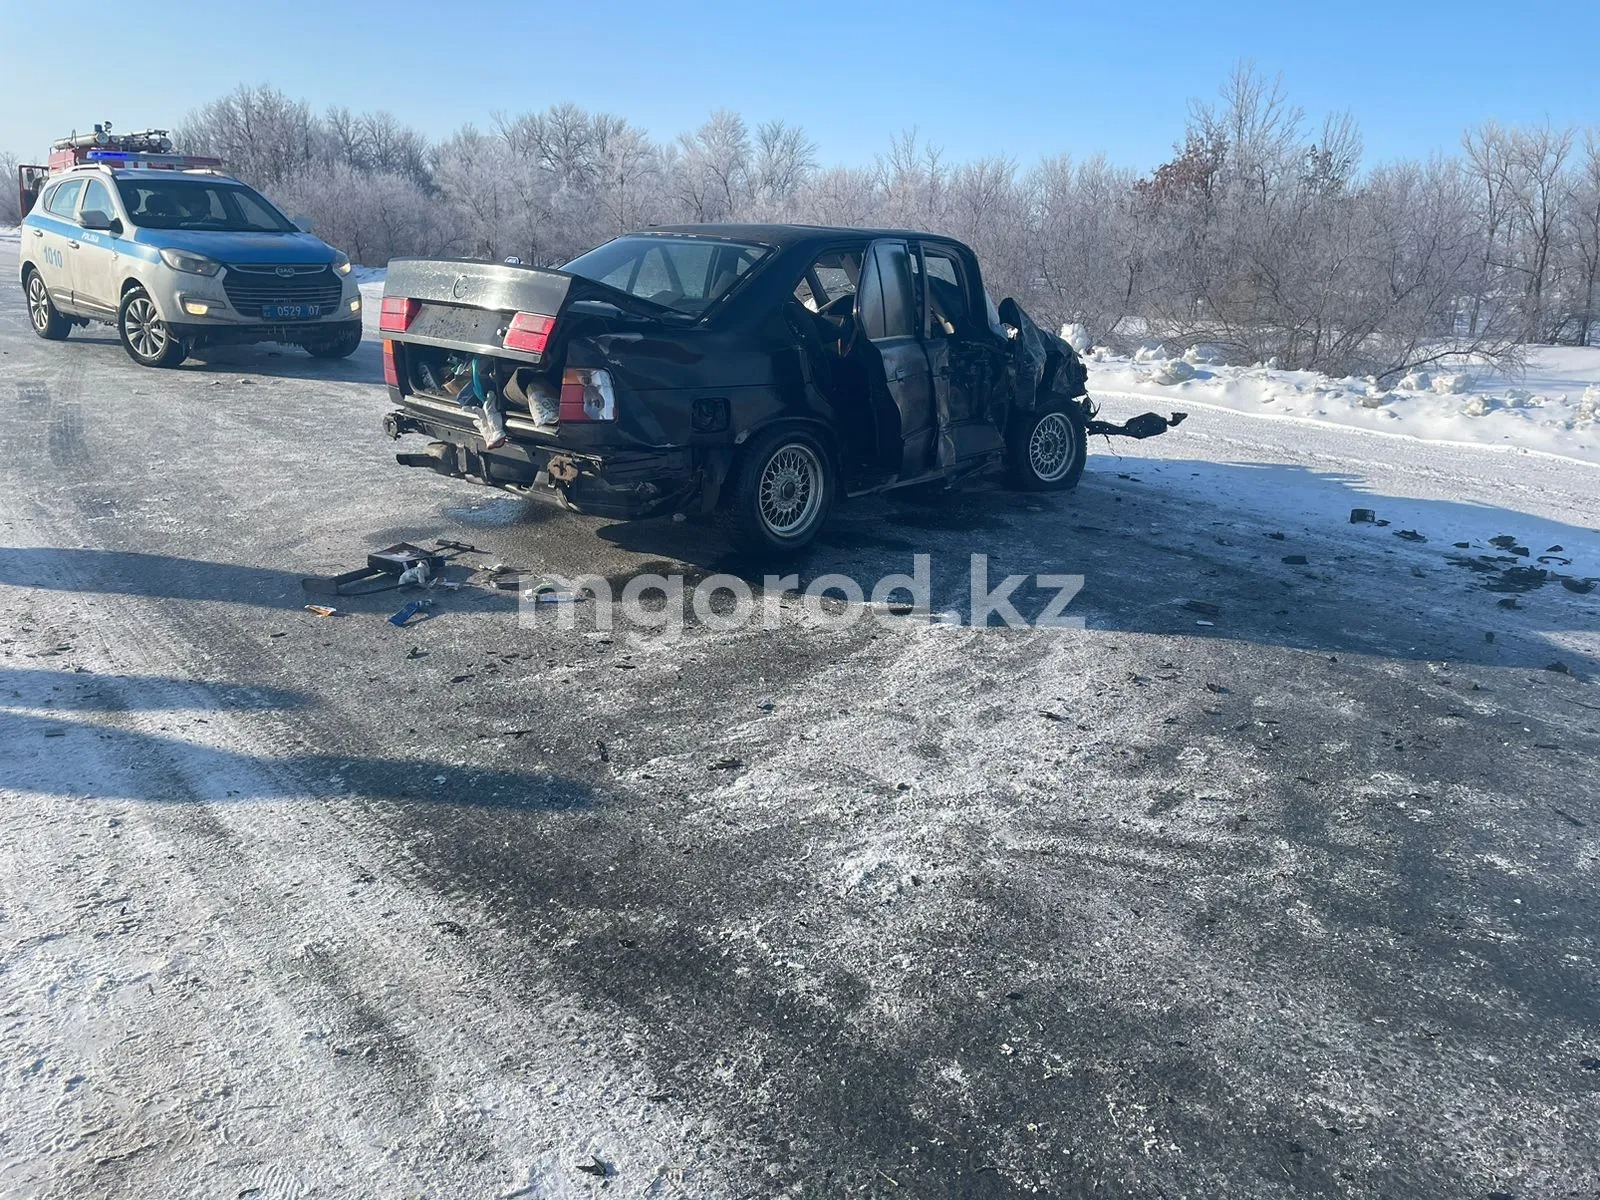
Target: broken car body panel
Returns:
[[626, 384]]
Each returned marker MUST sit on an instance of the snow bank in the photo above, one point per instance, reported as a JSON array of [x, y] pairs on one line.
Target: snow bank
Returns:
[[1553, 407]]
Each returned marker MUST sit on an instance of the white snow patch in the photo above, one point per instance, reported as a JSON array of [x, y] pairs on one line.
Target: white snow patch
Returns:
[[1175, 370], [1550, 407], [1076, 336]]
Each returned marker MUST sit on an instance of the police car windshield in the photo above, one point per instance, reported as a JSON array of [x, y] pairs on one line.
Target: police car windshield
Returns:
[[199, 204]]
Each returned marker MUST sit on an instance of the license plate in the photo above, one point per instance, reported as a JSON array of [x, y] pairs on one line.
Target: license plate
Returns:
[[291, 312]]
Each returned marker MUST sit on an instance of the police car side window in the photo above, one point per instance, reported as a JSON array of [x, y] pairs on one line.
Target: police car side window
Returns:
[[97, 198], [63, 201]]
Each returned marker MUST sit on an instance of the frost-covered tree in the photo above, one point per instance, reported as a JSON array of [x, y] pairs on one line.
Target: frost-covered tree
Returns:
[[10, 197]]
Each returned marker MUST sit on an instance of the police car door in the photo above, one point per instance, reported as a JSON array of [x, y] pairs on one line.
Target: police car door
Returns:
[[94, 270], [54, 226]]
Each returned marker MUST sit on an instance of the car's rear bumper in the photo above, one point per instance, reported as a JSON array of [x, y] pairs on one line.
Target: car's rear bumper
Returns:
[[622, 483]]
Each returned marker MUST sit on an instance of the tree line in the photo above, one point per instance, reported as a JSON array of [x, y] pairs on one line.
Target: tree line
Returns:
[[1264, 235]]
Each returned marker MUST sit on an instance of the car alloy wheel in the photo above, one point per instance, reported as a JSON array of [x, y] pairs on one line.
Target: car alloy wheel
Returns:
[[38, 303], [1052, 447], [790, 492], [147, 333]]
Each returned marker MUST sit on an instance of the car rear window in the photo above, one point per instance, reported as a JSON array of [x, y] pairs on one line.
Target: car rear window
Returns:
[[682, 273], [199, 204]]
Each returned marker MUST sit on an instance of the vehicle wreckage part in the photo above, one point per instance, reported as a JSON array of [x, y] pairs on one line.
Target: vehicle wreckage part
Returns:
[[1045, 451], [779, 493], [1145, 425], [385, 568]]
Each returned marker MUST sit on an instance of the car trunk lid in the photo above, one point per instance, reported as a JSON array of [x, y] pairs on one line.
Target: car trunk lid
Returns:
[[501, 309]]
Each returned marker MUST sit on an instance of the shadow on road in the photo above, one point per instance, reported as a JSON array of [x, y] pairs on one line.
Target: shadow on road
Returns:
[[271, 359], [131, 573], [1163, 548], [74, 758], [77, 691]]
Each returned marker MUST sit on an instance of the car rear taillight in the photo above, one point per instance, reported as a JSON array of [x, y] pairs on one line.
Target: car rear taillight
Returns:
[[391, 373], [529, 332], [587, 395], [397, 314]]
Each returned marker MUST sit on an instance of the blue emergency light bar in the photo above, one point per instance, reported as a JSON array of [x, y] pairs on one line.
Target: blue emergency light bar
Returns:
[[134, 158]]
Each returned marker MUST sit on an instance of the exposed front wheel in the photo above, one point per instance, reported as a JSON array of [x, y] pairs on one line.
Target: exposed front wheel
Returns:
[[779, 493], [145, 335], [342, 344], [47, 322], [1045, 450]]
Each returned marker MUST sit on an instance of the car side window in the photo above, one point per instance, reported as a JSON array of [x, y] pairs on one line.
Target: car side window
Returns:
[[947, 294], [832, 276], [97, 198], [63, 201]]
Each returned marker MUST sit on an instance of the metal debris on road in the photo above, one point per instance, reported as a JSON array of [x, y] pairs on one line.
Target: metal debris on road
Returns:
[[411, 610], [322, 610]]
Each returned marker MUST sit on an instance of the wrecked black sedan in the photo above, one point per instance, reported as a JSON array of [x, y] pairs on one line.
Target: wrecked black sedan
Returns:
[[754, 372]]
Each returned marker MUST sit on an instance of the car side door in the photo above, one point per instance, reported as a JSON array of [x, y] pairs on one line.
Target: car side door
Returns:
[[98, 256], [965, 357], [886, 318], [53, 225]]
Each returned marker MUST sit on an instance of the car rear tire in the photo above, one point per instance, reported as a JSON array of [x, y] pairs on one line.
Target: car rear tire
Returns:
[[145, 336], [779, 493], [47, 322], [1045, 450], [341, 345]]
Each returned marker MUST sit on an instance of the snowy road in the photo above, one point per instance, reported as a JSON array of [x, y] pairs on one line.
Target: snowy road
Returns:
[[1301, 901]]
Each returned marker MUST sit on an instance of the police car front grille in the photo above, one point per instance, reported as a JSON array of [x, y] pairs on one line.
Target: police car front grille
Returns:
[[251, 288]]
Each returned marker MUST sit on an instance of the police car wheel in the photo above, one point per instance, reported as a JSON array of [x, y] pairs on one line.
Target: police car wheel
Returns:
[[145, 335], [47, 322]]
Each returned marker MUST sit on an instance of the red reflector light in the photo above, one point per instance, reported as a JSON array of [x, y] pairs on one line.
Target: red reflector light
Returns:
[[529, 332], [391, 374], [397, 314]]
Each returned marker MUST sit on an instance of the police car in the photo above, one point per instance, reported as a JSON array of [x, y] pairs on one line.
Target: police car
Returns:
[[175, 254]]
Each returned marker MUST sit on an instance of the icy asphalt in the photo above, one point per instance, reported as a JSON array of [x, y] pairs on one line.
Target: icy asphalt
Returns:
[[1298, 902]]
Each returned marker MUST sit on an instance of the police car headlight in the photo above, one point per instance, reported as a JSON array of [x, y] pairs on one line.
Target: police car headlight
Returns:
[[341, 262], [190, 264]]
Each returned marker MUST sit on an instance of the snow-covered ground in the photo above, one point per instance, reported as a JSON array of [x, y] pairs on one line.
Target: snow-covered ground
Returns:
[[1549, 407], [1268, 878]]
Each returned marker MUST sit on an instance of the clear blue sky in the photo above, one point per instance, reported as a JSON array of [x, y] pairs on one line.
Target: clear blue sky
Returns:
[[1019, 78]]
